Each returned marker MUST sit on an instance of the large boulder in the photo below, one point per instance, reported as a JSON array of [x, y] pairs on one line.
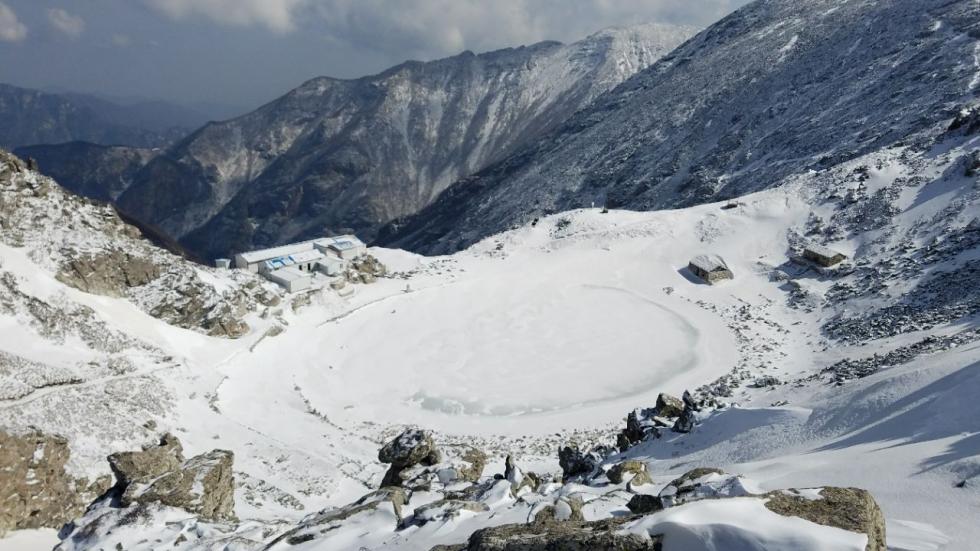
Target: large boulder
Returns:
[[203, 485], [633, 471], [686, 422], [669, 406], [151, 462], [37, 490], [851, 509], [578, 463], [547, 534], [411, 447]]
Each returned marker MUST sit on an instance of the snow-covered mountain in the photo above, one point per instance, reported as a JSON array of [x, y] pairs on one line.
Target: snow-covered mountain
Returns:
[[863, 375], [776, 88], [476, 401], [354, 154]]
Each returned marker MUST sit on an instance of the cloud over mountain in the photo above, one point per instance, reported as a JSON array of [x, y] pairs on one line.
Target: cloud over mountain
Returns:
[[11, 29]]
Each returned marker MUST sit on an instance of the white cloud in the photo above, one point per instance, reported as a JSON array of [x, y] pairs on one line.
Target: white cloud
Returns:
[[277, 15], [432, 28], [71, 25], [11, 29], [121, 40]]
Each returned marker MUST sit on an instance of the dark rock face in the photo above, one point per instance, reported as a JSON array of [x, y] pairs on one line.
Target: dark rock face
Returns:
[[689, 129], [351, 155], [37, 491], [851, 509]]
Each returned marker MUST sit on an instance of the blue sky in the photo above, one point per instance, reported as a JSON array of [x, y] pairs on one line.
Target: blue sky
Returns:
[[245, 52]]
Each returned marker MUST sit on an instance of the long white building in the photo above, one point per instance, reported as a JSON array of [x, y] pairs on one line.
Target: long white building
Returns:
[[292, 266]]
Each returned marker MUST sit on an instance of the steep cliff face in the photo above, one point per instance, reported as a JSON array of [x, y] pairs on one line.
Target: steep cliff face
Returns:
[[353, 154], [775, 89]]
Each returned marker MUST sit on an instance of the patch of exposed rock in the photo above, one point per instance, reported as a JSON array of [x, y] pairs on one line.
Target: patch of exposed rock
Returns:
[[111, 272], [37, 491]]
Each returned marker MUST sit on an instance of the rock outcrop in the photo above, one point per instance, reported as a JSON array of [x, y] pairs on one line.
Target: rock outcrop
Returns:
[[851, 509], [37, 491], [575, 462], [632, 471], [88, 246], [411, 448], [203, 485], [111, 272], [549, 535]]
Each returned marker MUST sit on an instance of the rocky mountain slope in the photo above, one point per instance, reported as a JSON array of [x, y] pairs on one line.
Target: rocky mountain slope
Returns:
[[87, 246], [774, 89], [101, 172], [30, 117], [803, 382], [337, 155]]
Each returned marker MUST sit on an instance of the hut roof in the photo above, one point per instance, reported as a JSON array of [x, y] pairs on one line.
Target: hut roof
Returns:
[[709, 262], [825, 252]]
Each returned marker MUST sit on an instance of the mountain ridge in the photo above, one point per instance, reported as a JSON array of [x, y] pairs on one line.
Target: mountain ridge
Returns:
[[340, 155], [686, 130]]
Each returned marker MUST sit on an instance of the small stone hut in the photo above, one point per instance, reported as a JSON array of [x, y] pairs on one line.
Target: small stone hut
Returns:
[[710, 267], [823, 256]]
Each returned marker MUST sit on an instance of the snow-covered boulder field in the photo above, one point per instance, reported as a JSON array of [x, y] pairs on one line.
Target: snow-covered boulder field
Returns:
[[564, 377]]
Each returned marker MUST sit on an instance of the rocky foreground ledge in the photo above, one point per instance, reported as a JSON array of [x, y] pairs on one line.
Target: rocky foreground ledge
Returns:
[[441, 498]]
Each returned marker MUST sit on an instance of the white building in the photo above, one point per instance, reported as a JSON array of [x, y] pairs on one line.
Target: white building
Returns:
[[328, 255], [291, 278], [347, 247], [330, 266]]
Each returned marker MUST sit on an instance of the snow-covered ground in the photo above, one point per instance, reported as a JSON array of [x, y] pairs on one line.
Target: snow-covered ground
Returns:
[[552, 332]]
